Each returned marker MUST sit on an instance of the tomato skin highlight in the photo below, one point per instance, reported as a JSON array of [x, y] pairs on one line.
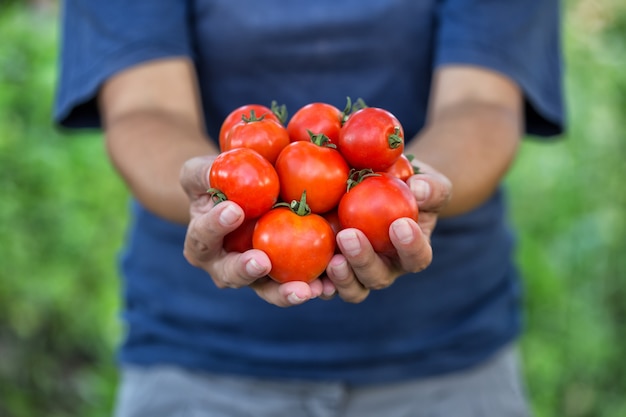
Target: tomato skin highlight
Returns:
[[246, 178], [299, 247], [318, 118], [373, 204], [236, 115], [265, 136], [371, 138], [319, 170]]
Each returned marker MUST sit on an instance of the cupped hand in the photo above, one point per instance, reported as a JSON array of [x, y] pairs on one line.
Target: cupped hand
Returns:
[[359, 269], [209, 223]]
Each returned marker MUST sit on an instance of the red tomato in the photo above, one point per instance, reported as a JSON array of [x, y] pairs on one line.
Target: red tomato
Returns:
[[373, 204], [266, 136], [317, 118], [245, 177], [276, 113], [332, 217], [371, 138], [299, 244], [313, 167], [240, 239], [403, 168]]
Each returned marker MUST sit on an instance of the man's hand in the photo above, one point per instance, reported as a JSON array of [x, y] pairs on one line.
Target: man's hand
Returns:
[[358, 269], [204, 244]]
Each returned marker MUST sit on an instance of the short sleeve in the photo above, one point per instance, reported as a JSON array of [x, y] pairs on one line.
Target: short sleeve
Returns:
[[518, 38], [101, 38]]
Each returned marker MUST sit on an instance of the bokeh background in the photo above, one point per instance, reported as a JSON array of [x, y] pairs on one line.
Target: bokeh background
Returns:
[[63, 213]]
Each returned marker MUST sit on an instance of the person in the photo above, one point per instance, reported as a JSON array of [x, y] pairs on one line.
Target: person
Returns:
[[430, 333]]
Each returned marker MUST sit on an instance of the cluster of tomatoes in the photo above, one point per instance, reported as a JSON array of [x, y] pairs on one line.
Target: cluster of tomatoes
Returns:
[[301, 182]]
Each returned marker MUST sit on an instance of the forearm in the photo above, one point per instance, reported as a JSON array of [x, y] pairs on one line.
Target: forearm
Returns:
[[473, 144], [148, 148]]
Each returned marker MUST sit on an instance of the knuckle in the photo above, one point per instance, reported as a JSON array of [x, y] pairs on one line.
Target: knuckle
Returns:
[[190, 257], [355, 298], [380, 284]]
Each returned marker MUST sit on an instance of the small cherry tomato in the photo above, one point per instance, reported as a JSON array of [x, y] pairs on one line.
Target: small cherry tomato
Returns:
[[332, 217], [316, 118], [266, 136], [240, 239], [371, 138], [298, 243], [403, 168], [314, 166], [372, 203], [276, 112], [245, 177]]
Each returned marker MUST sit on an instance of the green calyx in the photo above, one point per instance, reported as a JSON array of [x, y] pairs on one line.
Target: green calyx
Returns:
[[394, 139], [252, 118], [280, 111], [216, 195], [357, 176], [321, 139], [301, 208], [351, 108]]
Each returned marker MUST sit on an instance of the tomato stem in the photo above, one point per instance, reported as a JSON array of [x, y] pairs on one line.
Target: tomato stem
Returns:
[[252, 118], [216, 195], [321, 139], [352, 108], [279, 111], [357, 176], [394, 139], [301, 208]]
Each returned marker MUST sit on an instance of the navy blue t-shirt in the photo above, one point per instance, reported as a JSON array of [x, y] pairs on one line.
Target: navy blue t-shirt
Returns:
[[454, 314]]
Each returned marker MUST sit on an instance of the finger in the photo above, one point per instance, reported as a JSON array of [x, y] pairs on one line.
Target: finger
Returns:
[[206, 232], [329, 291], [432, 190], [287, 294], [412, 245], [372, 270], [345, 282], [193, 175], [236, 270]]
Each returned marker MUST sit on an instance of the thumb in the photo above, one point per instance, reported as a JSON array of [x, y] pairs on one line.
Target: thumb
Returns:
[[431, 189]]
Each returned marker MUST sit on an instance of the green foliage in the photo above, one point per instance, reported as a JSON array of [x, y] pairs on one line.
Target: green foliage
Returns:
[[569, 206], [63, 212]]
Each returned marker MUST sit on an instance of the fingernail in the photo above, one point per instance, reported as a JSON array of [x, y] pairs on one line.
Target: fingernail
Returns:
[[294, 299], [350, 243], [229, 216], [403, 230], [254, 268], [329, 292], [420, 189], [340, 271]]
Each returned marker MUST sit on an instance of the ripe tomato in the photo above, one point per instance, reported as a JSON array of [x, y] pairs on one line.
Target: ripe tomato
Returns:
[[266, 136], [316, 168], [403, 168], [373, 204], [299, 243], [371, 138], [332, 217], [245, 177], [240, 239], [317, 118], [277, 113]]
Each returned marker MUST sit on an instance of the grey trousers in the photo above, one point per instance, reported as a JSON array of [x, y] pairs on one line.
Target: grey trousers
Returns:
[[493, 389]]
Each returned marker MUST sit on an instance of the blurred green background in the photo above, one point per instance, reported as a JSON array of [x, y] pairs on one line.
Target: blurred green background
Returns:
[[63, 212]]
